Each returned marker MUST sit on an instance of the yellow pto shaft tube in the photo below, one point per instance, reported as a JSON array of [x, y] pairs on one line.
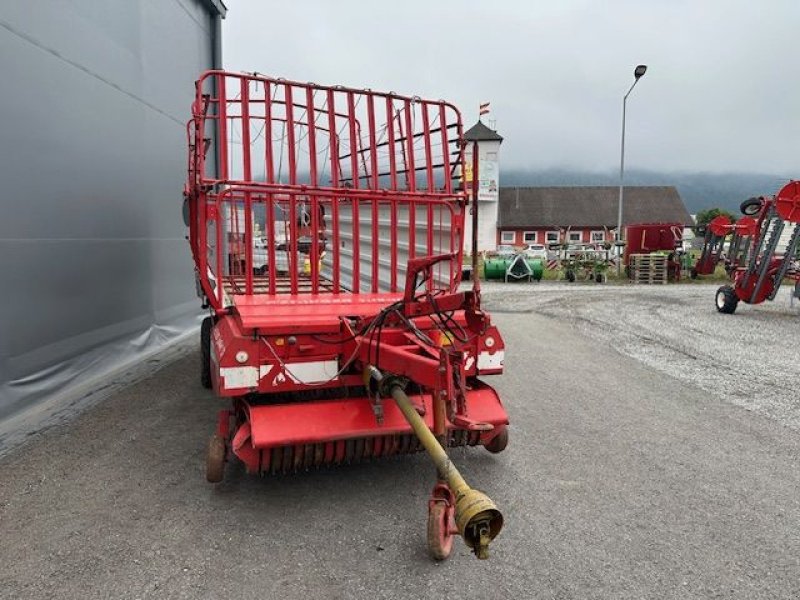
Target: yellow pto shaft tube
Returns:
[[476, 516]]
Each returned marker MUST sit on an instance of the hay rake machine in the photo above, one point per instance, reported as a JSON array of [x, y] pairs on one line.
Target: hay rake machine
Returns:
[[764, 250], [347, 338], [716, 236]]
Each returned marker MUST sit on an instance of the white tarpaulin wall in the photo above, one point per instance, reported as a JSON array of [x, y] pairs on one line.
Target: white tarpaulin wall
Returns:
[[93, 262]]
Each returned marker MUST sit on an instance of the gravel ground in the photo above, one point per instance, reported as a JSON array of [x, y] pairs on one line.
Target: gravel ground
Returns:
[[750, 359], [621, 481]]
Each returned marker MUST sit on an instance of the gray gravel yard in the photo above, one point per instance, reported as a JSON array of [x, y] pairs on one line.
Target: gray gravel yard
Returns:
[[628, 475], [751, 358]]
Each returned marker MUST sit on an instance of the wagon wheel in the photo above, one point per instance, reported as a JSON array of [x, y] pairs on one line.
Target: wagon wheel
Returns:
[[727, 300], [499, 442], [441, 529], [215, 459]]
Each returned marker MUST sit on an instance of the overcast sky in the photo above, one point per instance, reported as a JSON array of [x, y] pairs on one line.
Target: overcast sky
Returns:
[[722, 90]]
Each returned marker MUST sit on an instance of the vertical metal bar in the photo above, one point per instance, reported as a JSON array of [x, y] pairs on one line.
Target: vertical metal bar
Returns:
[[393, 249], [293, 242], [314, 255], [448, 184], [290, 139], [219, 273], [351, 109], [248, 204], [356, 287], [375, 244], [334, 157], [269, 158], [222, 127], [312, 162], [312, 136], [411, 180], [476, 281], [390, 118], [426, 137], [390, 143], [271, 264], [458, 228], [373, 150], [351, 118], [374, 180]]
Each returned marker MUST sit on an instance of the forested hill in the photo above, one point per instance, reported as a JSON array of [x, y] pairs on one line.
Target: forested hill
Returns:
[[698, 190]]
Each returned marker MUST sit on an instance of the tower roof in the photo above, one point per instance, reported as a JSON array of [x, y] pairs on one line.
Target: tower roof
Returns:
[[481, 133]]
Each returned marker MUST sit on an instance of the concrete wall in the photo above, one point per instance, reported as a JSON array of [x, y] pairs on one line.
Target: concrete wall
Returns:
[[93, 261]]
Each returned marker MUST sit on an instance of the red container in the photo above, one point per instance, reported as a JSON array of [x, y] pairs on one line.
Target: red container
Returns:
[[644, 238]]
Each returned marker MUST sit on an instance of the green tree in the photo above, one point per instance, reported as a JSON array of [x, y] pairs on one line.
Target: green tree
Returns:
[[705, 216]]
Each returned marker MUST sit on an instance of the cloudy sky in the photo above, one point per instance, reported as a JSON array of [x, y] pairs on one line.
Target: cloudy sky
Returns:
[[722, 91]]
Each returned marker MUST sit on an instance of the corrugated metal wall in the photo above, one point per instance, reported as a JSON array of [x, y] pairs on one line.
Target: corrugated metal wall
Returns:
[[94, 267]]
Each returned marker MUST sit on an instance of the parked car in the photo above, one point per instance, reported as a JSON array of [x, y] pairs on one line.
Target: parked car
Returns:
[[505, 250], [536, 251]]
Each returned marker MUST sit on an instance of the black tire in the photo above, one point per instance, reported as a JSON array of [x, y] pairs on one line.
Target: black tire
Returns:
[[727, 300], [498, 443], [570, 275], [537, 277], [205, 352], [215, 459], [751, 207], [598, 278], [693, 273]]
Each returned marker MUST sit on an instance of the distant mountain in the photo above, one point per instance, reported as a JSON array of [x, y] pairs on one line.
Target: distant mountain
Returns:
[[698, 190]]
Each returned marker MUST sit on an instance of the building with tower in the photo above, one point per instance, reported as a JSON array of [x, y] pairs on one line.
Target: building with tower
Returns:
[[488, 185]]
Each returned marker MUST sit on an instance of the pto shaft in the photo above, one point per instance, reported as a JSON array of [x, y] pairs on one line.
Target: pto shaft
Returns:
[[476, 516]]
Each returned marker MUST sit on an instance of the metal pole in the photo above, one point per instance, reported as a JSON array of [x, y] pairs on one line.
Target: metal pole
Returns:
[[622, 181], [476, 281]]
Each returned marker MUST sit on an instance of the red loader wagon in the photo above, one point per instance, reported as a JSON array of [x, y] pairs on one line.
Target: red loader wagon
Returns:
[[764, 249], [326, 227]]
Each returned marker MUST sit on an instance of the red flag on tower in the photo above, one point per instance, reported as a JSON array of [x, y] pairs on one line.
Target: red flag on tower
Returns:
[[484, 110]]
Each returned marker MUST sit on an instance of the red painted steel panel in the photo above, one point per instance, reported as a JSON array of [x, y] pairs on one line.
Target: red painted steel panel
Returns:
[[285, 424], [294, 313]]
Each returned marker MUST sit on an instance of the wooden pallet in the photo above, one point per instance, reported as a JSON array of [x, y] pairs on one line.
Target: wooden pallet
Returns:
[[649, 268]]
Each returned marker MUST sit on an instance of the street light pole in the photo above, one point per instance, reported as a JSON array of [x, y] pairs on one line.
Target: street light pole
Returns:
[[638, 72]]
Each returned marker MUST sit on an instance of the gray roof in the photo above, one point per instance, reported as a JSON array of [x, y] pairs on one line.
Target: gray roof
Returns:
[[481, 133], [589, 206]]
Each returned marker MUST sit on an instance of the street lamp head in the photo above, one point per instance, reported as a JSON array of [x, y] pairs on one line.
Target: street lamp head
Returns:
[[639, 71]]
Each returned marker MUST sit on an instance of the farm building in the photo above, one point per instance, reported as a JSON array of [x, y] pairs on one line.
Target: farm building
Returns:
[[547, 215]]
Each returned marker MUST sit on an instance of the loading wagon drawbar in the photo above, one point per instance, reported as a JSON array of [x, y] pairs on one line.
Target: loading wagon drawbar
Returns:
[[326, 227]]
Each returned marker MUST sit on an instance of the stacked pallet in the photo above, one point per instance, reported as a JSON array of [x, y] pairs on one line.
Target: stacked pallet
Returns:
[[648, 268]]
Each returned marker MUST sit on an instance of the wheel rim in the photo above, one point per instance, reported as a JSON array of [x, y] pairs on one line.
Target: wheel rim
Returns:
[[440, 524], [720, 299]]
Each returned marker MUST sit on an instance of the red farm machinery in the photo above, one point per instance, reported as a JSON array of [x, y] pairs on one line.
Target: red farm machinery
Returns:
[[759, 251], [326, 227]]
